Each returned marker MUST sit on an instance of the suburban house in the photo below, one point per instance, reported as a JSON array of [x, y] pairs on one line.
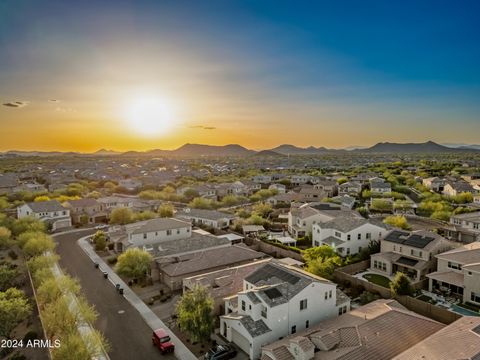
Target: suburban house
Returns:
[[459, 339], [379, 330], [380, 186], [112, 202], [297, 180], [202, 191], [89, 209], [213, 218], [280, 188], [276, 301], [8, 182], [412, 253], [308, 193], [284, 199], [174, 268], [51, 212], [262, 179], [223, 283], [330, 187], [434, 183], [350, 188], [130, 184], [344, 200], [348, 235], [464, 227], [301, 218], [454, 188], [458, 273], [144, 234], [30, 187]]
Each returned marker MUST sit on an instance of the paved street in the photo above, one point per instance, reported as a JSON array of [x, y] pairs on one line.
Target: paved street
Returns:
[[127, 332]]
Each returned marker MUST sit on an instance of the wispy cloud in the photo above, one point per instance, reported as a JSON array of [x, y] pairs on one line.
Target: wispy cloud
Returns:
[[16, 104], [53, 100], [64, 109], [202, 127]]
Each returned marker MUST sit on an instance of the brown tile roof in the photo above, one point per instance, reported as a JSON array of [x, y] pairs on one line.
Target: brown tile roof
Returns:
[[455, 341]]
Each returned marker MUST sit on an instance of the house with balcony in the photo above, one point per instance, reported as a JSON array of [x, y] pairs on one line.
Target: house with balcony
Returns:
[[277, 301], [412, 253], [50, 212], [464, 228], [348, 235], [458, 273]]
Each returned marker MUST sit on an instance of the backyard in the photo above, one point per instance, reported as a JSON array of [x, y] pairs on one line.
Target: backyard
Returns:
[[378, 280]]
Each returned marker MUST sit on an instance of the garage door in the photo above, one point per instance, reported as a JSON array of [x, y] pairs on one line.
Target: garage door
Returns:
[[240, 341]]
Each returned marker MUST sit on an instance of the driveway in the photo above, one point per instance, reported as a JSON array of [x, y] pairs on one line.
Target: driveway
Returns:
[[122, 325]]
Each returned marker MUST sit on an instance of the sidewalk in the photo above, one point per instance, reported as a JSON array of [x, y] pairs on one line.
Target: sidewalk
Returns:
[[181, 351]]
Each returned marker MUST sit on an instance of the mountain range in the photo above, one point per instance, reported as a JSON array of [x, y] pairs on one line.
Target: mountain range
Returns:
[[235, 150]]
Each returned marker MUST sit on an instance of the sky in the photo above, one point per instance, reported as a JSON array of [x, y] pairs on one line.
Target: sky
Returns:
[[146, 74]]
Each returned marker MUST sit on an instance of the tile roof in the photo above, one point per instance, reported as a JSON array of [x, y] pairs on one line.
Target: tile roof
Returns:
[[158, 224], [455, 341], [45, 206], [466, 254], [205, 214]]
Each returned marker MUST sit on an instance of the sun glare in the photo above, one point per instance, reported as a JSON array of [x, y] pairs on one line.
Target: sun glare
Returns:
[[150, 116]]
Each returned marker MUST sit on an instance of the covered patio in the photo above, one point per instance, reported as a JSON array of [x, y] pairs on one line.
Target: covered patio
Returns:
[[447, 283]]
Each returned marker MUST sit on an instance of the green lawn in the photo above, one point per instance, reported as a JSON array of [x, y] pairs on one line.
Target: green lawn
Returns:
[[378, 279]]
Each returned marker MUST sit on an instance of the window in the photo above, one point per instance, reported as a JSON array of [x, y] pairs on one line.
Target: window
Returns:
[[455, 266], [476, 226], [178, 231], [294, 329], [475, 297], [264, 312], [400, 249], [330, 294], [169, 232], [469, 273], [348, 251], [243, 305], [303, 304], [337, 234], [394, 248], [420, 254], [342, 310], [411, 252], [156, 233], [375, 264], [326, 295], [307, 324], [368, 235], [145, 235], [359, 236], [349, 237], [384, 266], [359, 249]]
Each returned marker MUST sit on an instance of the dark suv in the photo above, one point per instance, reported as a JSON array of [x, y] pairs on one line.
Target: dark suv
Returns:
[[221, 352]]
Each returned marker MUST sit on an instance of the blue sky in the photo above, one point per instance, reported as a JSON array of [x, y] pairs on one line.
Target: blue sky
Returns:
[[338, 73]]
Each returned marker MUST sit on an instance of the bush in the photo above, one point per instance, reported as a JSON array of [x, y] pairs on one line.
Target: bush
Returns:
[[13, 255], [112, 260]]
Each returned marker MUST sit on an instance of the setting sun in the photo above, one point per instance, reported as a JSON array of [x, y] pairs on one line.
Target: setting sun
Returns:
[[150, 116]]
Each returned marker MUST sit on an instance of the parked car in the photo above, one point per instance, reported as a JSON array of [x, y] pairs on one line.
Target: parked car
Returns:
[[101, 226], [221, 352], [161, 340]]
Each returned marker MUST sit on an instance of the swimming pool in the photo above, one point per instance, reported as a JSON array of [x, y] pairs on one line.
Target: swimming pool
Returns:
[[462, 311]]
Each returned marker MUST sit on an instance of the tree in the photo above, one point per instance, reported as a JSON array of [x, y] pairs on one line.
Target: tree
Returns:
[[323, 252], [144, 215], [4, 204], [263, 210], [100, 240], [42, 198], [27, 224], [4, 236], [37, 245], [134, 263], [381, 205], [194, 311], [324, 267], [165, 210], [121, 216], [190, 193], [8, 273], [84, 219], [14, 308], [398, 221], [400, 285], [200, 203]]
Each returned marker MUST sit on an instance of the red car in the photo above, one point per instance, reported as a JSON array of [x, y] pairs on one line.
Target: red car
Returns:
[[161, 340]]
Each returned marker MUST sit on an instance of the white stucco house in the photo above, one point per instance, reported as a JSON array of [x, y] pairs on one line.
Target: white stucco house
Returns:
[[213, 218], [348, 235], [50, 212], [277, 301]]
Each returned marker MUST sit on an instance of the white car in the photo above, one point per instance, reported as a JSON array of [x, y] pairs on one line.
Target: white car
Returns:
[[101, 226]]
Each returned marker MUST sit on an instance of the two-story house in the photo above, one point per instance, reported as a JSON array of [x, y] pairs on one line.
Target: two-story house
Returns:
[[301, 218], [204, 191], [434, 183], [454, 188], [276, 301], [330, 187], [213, 218], [297, 180], [350, 188], [144, 234], [458, 273], [464, 227], [380, 186], [348, 235], [262, 179], [90, 209], [51, 212], [412, 253]]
